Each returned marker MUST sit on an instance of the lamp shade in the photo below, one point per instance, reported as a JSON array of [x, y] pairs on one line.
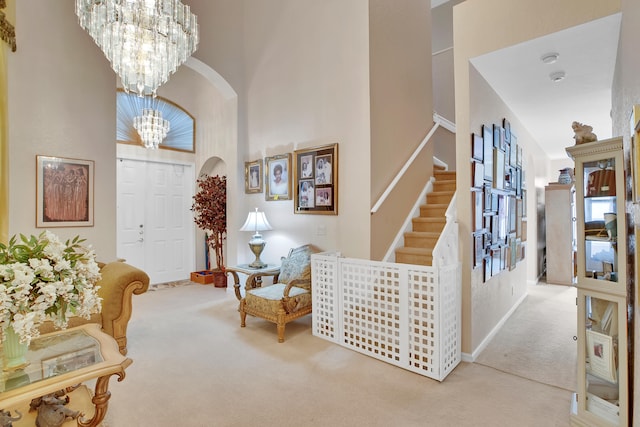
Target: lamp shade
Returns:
[[256, 221]]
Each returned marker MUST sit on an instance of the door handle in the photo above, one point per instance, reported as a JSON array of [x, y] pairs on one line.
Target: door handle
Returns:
[[141, 240]]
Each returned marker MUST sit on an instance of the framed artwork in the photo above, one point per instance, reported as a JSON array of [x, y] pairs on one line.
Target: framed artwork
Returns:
[[478, 249], [496, 259], [253, 177], [64, 192], [519, 218], [477, 147], [507, 130], [478, 199], [71, 361], [315, 178], [512, 214], [487, 198], [498, 169], [277, 177], [478, 174], [497, 137], [519, 159], [487, 144], [513, 155], [487, 268], [513, 251]]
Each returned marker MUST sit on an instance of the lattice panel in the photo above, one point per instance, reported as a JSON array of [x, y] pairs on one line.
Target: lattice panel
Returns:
[[371, 309], [405, 315], [423, 321], [451, 322], [325, 298]]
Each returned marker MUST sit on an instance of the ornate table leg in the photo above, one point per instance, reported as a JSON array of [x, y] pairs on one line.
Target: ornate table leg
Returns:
[[236, 283], [100, 401]]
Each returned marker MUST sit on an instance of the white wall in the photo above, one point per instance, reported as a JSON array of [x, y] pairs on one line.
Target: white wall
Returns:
[[61, 98], [306, 82]]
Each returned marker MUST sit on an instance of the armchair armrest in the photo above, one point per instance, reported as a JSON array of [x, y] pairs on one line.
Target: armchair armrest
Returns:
[[299, 283], [118, 283]]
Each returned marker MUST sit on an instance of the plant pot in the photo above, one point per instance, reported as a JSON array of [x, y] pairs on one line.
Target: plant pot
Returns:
[[219, 279]]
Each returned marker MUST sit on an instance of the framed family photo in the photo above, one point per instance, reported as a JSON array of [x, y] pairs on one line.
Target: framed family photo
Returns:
[[253, 177], [64, 192], [316, 180], [277, 177]]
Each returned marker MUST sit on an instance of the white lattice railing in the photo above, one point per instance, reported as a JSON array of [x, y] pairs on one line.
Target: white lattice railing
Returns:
[[403, 314]]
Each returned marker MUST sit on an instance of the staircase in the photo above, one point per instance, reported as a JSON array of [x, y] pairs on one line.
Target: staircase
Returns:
[[419, 243]]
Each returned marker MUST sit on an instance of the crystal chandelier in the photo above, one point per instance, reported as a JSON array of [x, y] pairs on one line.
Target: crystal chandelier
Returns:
[[144, 40], [151, 127]]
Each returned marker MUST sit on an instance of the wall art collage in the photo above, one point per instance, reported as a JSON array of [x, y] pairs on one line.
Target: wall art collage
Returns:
[[309, 178], [498, 199]]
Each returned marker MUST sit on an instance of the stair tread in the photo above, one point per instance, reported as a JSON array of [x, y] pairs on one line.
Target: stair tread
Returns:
[[438, 219], [422, 233], [414, 251], [435, 205], [440, 193]]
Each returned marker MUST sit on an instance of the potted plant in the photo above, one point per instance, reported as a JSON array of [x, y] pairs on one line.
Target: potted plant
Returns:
[[210, 214]]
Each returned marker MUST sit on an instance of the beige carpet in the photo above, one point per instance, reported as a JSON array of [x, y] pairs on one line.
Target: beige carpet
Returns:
[[537, 342], [195, 367]]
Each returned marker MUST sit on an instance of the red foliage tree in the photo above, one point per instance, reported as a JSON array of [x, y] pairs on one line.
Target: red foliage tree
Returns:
[[210, 212]]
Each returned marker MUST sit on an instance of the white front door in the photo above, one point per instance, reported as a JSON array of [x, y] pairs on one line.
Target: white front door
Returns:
[[155, 223]]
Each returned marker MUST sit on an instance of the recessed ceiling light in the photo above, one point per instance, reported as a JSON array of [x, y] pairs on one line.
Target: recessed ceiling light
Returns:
[[549, 58], [557, 76]]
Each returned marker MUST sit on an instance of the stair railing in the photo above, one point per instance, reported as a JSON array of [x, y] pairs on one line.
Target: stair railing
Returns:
[[446, 250], [438, 121]]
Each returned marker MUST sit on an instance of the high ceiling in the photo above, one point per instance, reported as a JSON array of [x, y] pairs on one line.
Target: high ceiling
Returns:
[[587, 56]]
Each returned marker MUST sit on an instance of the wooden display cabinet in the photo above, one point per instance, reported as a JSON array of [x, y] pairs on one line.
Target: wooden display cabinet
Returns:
[[602, 397]]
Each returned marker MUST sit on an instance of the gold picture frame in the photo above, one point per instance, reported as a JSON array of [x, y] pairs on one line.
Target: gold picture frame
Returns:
[[315, 178], [253, 182], [64, 192], [277, 177]]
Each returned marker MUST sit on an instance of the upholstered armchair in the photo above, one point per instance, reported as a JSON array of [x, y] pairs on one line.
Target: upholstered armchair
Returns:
[[287, 299], [119, 282]]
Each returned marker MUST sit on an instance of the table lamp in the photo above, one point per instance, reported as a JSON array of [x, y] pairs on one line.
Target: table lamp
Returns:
[[256, 222]]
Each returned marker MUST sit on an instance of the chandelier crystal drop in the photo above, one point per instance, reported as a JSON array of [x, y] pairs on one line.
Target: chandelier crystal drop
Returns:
[[151, 127], [144, 40]]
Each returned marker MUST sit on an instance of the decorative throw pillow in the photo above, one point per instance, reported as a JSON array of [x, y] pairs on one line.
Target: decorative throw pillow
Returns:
[[296, 266]]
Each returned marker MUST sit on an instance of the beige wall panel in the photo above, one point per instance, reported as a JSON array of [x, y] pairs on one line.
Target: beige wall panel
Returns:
[[519, 21]]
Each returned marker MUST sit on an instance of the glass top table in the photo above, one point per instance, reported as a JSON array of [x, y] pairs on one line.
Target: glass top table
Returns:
[[254, 276], [63, 359]]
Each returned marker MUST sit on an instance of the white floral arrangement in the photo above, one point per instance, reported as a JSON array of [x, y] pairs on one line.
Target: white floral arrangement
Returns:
[[45, 279]]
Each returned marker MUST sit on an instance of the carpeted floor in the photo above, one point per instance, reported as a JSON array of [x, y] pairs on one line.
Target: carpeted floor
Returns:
[[195, 367], [537, 342]]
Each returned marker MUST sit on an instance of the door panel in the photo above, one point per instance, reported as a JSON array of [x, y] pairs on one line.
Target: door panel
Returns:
[[167, 252]]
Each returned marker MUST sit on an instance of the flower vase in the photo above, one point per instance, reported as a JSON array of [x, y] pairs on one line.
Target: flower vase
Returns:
[[14, 353]]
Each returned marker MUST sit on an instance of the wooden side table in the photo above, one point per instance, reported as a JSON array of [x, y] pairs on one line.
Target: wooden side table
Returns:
[[254, 276], [61, 360]]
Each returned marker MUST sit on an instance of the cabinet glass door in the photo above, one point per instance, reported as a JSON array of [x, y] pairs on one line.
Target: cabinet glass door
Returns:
[[602, 376], [600, 220]]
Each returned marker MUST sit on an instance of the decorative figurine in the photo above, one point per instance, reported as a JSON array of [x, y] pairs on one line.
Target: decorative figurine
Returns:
[[583, 133], [6, 420], [52, 411]]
